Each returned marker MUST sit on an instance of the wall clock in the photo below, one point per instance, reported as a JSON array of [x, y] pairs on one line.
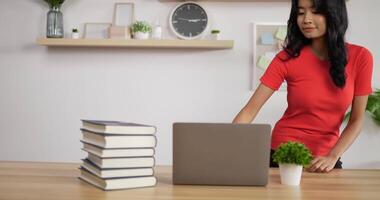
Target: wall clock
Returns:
[[189, 20]]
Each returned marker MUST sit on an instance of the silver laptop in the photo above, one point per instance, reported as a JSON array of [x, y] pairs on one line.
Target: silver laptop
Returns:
[[221, 154]]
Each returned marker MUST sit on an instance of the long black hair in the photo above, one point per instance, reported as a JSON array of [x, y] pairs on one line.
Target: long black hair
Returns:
[[335, 13]]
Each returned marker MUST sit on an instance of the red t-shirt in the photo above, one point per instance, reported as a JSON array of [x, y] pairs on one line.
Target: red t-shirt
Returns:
[[316, 107]]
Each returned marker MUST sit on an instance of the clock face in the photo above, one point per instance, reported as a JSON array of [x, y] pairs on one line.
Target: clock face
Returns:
[[189, 20]]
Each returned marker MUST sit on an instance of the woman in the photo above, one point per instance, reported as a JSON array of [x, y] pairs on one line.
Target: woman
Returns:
[[324, 77]]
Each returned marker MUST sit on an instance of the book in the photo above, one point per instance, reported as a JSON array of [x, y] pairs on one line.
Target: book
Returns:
[[118, 141], [117, 152], [118, 172], [117, 183], [129, 162], [117, 127]]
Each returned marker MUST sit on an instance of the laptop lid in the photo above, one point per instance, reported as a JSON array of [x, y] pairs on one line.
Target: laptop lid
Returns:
[[221, 154]]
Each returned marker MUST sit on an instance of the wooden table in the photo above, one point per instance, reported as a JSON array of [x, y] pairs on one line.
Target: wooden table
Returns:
[[56, 181]]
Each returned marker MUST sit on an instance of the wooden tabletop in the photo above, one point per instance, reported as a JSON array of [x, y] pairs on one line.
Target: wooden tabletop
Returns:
[[58, 181]]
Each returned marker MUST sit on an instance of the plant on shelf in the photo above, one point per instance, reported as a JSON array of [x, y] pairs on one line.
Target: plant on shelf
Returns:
[[54, 25], [55, 3], [215, 31], [215, 34], [372, 108], [75, 33], [141, 30], [292, 157]]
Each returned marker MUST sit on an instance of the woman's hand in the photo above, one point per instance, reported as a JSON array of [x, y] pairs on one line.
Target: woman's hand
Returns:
[[349, 134], [322, 164]]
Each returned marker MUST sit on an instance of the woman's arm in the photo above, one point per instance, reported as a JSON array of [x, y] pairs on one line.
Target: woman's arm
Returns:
[[249, 112], [348, 136]]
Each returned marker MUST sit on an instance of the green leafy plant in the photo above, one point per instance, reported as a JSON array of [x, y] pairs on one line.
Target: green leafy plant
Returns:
[[141, 26], [215, 31], [54, 3], [75, 30], [292, 153], [372, 108]]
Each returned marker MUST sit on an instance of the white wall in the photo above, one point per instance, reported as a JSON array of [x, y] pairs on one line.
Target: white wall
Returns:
[[46, 91]]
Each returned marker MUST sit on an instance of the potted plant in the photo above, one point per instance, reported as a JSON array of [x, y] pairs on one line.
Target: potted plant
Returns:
[[215, 34], [373, 106], [291, 157], [55, 3], [75, 33], [54, 28], [141, 30]]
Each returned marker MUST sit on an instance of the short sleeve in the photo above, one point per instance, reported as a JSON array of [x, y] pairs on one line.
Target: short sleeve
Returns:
[[363, 78], [275, 74]]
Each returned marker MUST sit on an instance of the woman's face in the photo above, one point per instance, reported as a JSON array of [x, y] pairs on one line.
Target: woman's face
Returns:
[[311, 23]]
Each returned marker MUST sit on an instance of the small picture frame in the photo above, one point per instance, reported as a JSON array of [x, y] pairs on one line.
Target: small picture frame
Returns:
[[124, 14], [119, 32], [96, 30]]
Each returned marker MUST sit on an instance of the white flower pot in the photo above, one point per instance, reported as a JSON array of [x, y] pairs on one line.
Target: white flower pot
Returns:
[[141, 36], [215, 36], [290, 174], [75, 35]]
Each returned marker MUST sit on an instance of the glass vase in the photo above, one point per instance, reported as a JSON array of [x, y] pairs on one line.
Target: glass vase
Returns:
[[54, 24]]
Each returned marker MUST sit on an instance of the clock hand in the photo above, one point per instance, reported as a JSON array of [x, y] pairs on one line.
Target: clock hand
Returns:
[[194, 20], [190, 20], [184, 19]]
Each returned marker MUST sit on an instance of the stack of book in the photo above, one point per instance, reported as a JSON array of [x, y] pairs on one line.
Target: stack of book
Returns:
[[120, 154]]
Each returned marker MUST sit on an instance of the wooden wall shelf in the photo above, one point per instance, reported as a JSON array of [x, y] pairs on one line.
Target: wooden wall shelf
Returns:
[[230, 0], [184, 44]]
